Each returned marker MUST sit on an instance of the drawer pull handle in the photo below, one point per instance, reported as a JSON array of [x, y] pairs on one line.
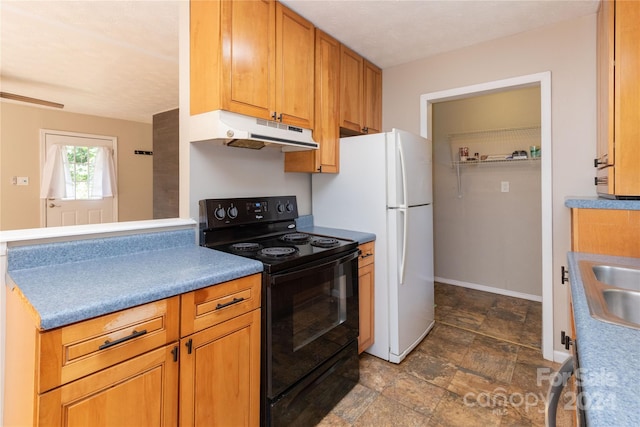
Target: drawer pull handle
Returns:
[[227, 304], [363, 256], [134, 334]]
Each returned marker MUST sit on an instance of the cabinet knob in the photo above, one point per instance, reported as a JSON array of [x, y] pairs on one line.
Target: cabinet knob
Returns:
[[365, 129]]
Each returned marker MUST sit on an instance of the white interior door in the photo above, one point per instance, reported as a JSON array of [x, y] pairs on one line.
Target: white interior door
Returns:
[[79, 206]]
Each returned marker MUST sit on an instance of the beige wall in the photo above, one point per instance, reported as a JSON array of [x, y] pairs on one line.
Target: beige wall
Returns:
[[20, 156], [567, 50], [483, 236]]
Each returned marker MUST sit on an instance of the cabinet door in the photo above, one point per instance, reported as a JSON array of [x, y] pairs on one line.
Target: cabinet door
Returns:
[[350, 90], [247, 42], [326, 127], [627, 98], [139, 392], [294, 68], [605, 52], [220, 374], [366, 295], [372, 98]]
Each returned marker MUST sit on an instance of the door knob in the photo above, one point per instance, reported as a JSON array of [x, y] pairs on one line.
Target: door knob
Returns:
[[53, 205]]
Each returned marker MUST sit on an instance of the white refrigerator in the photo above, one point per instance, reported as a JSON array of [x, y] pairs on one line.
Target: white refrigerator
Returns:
[[385, 187]]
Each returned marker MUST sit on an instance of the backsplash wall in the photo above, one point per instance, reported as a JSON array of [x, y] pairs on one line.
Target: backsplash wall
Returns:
[[219, 171]]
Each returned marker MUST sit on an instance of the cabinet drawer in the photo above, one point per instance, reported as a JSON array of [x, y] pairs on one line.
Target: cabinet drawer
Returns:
[[367, 255], [214, 304], [73, 351]]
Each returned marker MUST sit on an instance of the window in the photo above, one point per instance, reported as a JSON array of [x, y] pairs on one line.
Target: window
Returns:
[[81, 163], [77, 172]]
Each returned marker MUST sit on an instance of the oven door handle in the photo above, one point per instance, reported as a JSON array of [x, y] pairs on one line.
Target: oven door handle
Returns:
[[309, 269]]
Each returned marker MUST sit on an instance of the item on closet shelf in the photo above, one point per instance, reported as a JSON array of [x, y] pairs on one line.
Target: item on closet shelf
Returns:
[[534, 150], [519, 155], [495, 157], [464, 153]]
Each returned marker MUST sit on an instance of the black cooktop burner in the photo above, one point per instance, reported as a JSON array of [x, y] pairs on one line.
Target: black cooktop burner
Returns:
[[325, 242], [278, 252], [295, 238], [246, 247]]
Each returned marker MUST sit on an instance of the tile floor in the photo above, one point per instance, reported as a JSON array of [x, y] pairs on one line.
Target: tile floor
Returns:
[[481, 365]]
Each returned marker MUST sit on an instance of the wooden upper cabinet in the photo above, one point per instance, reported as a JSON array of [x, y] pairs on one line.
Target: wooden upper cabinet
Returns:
[[619, 97], [247, 56], [360, 94], [326, 130], [253, 58], [294, 68], [233, 56], [351, 90], [372, 98]]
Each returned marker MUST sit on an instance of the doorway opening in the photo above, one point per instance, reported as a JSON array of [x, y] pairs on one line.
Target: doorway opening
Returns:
[[543, 80], [79, 181]]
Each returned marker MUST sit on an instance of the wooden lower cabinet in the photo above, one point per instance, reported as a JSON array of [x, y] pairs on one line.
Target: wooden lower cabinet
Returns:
[[142, 391], [128, 368], [366, 288], [220, 374]]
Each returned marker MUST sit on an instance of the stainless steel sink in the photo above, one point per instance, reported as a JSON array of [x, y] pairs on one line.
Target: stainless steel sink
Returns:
[[623, 304], [613, 292], [620, 277]]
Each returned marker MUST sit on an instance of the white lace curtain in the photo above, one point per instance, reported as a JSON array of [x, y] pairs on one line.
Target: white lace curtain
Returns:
[[56, 175]]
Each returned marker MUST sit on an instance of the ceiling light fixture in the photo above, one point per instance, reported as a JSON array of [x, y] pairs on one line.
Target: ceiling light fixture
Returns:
[[21, 98]]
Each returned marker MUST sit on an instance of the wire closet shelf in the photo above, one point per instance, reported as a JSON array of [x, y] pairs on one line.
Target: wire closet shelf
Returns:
[[494, 147]]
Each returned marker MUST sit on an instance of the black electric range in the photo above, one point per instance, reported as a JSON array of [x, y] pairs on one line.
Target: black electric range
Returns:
[[310, 304]]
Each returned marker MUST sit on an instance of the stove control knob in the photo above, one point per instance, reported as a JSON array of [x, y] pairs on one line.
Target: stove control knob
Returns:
[[280, 208], [219, 213], [289, 207], [232, 212]]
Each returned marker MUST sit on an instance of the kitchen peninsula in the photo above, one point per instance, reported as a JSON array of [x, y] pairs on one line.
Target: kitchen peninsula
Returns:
[[103, 307]]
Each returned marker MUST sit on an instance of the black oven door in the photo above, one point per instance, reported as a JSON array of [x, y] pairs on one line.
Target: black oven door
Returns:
[[311, 314]]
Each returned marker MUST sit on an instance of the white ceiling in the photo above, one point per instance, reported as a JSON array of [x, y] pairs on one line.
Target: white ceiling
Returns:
[[120, 58]]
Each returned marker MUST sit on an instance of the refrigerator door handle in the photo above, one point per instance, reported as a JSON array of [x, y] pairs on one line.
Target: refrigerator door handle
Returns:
[[403, 173], [403, 255]]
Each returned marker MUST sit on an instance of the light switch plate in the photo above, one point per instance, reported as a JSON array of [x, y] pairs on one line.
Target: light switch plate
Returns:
[[504, 186]]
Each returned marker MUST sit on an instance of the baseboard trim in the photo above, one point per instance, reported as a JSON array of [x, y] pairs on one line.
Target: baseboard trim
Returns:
[[560, 356], [490, 289]]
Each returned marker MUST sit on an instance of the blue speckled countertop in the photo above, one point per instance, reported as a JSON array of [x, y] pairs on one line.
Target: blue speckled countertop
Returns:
[[305, 224], [73, 281], [598, 203], [608, 354]]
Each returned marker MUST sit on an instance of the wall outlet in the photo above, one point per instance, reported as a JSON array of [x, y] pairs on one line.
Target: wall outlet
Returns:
[[504, 186], [20, 180]]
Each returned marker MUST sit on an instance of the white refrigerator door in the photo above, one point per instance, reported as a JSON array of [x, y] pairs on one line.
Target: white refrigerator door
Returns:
[[408, 169], [411, 276]]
